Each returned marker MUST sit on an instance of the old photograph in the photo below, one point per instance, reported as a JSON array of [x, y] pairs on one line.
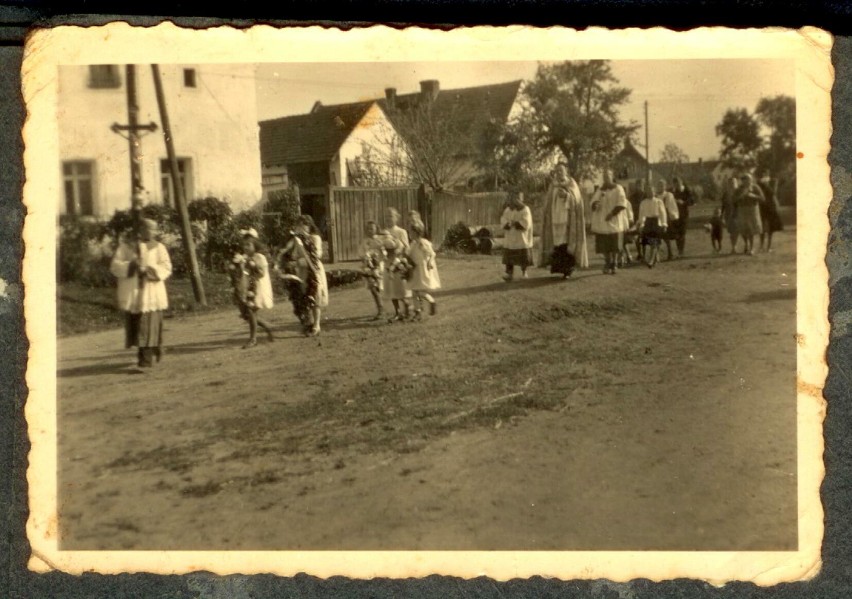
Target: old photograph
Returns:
[[404, 306]]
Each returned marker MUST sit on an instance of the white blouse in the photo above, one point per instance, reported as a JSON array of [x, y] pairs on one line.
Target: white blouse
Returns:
[[142, 294]]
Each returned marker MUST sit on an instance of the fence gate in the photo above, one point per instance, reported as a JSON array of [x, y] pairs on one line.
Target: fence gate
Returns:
[[349, 209]]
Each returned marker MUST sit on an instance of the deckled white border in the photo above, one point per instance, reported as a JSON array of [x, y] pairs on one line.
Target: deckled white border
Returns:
[[166, 43]]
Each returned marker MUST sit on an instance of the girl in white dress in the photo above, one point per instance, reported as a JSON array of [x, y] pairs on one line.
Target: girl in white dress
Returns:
[[258, 292], [424, 276], [395, 286]]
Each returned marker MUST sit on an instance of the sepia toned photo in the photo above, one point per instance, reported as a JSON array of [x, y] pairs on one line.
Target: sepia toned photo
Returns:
[[391, 303]]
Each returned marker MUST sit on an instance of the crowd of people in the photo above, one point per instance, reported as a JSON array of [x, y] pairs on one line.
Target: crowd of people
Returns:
[[399, 263], [650, 218]]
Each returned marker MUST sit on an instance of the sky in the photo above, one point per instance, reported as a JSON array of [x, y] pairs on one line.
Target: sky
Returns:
[[686, 98]]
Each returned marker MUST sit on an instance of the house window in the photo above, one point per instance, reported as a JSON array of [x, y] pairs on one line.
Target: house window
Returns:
[[189, 77], [274, 179], [104, 76], [184, 175], [78, 180]]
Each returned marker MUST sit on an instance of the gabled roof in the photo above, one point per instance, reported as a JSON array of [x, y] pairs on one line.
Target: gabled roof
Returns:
[[312, 137], [466, 107], [631, 153], [690, 172], [318, 135]]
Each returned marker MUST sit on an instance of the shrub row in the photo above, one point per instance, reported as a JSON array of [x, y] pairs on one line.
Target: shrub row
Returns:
[[86, 247]]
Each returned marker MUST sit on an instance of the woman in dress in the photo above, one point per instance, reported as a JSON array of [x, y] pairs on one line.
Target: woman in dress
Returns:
[[563, 235], [729, 211], [142, 265], [651, 224], [518, 241], [317, 285], [749, 198], [770, 219]]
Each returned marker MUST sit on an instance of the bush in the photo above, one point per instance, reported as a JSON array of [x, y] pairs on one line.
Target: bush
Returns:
[[458, 238], [217, 234], [339, 277], [85, 252]]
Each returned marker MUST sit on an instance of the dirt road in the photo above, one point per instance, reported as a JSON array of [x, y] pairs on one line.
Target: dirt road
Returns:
[[654, 409]]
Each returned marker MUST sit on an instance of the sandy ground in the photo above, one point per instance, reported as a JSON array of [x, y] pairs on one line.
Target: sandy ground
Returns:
[[654, 409]]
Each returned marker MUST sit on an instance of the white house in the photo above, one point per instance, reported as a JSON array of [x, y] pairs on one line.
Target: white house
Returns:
[[325, 147], [213, 115]]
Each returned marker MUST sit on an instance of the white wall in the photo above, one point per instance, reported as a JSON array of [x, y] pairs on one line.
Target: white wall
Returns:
[[214, 124], [374, 131]]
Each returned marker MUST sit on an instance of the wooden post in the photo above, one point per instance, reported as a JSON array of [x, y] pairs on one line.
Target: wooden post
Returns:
[[647, 146], [133, 130], [180, 200], [332, 224]]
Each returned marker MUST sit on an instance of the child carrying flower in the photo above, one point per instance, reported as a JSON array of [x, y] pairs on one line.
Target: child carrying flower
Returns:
[[424, 274], [252, 286], [373, 256]]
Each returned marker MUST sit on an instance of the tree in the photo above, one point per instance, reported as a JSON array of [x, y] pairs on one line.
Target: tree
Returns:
[[510, 158], [672, 154], [778, 116], [418, 145], [741, 141], [436, 150], [573, 107]]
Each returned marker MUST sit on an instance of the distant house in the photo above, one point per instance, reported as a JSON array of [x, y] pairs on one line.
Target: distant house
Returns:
[[213, 115], [322, 148], [342, 144], [629, 164], [464, 113], [705, 177]]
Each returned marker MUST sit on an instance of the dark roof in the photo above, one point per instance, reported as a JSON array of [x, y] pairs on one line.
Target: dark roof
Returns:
[[629, 152], [469, 107], [312, 137], [318, 135], [690, 172]]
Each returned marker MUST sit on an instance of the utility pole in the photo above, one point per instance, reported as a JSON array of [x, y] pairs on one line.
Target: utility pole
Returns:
[[133, 128], [180, 200], [647, 146]]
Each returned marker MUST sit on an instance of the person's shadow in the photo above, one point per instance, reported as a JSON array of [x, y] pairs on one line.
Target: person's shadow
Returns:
[[517, 284], [97, 369]]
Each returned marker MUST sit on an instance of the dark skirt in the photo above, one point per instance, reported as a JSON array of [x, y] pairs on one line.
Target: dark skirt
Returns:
[[652, 232], [677, 229], [144, 330], [522, 257], [770, 219], [562, 261], [607, 243]]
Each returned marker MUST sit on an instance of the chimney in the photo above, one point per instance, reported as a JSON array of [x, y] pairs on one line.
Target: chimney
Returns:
[[316, 107], [390, 97], [429, 89]]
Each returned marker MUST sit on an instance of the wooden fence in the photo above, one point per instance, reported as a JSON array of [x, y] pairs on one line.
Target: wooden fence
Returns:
[[349, 209], [475, 210]]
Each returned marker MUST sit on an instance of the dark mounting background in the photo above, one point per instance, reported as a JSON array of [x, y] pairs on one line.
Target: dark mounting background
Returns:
[[17, 17]]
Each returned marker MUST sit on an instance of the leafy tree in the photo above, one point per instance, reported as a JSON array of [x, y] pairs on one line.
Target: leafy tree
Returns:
[[778, 116], [573, 107], [509, 157], [741, 140], [432, 149], [673, 154]]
